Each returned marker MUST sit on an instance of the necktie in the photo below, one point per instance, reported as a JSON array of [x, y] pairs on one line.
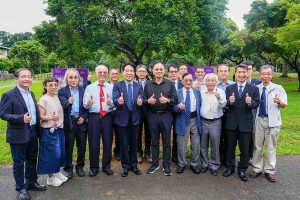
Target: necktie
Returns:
[[129, 97], [188, 106], [240, 91], [262, 106], [102, 112], [143, 84]]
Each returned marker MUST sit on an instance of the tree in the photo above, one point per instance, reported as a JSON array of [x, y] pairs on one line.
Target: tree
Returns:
[[5, 64], [7, 39]]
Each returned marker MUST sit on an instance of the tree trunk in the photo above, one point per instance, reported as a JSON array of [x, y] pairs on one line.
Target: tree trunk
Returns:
[[285, 69]]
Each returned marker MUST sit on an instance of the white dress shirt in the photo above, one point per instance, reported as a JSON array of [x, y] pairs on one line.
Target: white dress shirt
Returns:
[[192, 97]]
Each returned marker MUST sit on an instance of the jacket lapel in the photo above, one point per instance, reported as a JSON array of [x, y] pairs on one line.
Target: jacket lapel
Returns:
[[20, 97]]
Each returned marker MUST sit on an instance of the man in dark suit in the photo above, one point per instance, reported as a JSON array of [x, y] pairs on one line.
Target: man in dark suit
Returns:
[[127, 97], [75, 121], [242, 97], [19, 108]]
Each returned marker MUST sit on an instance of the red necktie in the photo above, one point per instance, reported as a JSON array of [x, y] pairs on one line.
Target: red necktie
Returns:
[[102, 112]]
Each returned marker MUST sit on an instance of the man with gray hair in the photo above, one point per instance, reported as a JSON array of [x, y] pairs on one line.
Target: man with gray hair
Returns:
[[268, 123], [213, 101], [98, 100]]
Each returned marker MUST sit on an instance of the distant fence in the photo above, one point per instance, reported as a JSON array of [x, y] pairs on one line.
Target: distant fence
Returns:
[[41, 76], [4, 75]]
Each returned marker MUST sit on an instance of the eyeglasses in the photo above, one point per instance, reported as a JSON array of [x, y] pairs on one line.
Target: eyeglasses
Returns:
[[102, 72], [159, 69], [52, 85], [188, 80], [73, 77], [173, 71], [24, 76]]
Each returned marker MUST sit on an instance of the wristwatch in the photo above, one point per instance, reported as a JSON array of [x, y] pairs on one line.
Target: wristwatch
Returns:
[[168, 100]]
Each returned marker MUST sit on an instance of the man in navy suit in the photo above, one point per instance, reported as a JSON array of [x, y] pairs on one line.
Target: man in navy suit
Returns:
[[75, 121], [127, 97], [241, 97], [18, 107]]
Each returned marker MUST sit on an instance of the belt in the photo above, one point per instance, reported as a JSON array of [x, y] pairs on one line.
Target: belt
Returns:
[[32, 127], [193, 114], [95, 113], [159, 112], [210, 120], [263, 116], [76, 117]]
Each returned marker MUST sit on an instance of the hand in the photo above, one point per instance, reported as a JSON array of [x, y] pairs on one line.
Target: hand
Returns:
[[71, 99], [277, 99], [108, 100], [181, 106], [54, 117], [248, 99], [139, 101], [121, 99], [152, 100], [232, 99], [80, 120], [27, 118], [90, 101], [163, 99], [217, 93]]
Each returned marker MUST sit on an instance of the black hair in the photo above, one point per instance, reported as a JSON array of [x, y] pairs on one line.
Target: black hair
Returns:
[[172, 65], [243, 66], [17, 72], [48, 80], [186, 74], [130, 64]]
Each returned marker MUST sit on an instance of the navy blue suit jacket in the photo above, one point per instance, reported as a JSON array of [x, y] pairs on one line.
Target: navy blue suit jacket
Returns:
[[12, 109], [179, 84], [64, 95], [122, 112], [255, 81]]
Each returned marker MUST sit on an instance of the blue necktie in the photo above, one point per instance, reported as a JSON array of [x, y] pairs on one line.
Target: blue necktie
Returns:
[[262, 107], [240, 91], [129, 97], [188, 106]]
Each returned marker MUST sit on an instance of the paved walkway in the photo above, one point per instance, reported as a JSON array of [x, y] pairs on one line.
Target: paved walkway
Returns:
[[185, 186]]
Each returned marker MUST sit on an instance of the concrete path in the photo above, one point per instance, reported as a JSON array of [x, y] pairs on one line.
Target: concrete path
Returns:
[[185, 186]]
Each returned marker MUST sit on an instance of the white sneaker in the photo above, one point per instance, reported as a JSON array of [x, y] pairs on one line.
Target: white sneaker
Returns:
[[54, 181], [61, 176]]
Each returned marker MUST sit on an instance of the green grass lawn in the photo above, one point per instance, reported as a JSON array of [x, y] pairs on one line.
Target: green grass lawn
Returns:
[[289, 137]]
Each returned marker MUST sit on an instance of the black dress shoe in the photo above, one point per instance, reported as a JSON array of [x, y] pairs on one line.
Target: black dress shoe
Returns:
[[69, 174], [203, 169], [80, 172], [108, 172], [180, 169], [228, 172], [195, 169], [93, 173], [243, 176], [137, 171], [117, 156], [124, 172], [23, 195], [214, 172], [36, 186]]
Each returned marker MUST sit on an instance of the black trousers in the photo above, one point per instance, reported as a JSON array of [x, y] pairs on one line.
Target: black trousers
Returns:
[[160, 124], [25, 156], [174, 139], [244, 138], [128, 143], [78, 133], [116, 149], [144, 125], [100, 126], [223, 140]]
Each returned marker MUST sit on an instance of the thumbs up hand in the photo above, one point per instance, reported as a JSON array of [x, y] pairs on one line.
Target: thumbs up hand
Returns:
[[139, 101], [121, 99], [163, 99], [90, 101], [277, 99], [152, 100], [248, 99], [232, 99], [181, 106], [27, 118], [217, 93], [71, 99], [108, 100], [54, 117]]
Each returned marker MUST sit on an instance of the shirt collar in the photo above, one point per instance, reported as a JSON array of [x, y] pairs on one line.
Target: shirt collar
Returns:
[[22, 90], [74, 90], [244, 84], [104, 84]]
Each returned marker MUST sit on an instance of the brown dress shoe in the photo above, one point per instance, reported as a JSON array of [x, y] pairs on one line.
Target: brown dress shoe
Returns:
[[270, 177], [148, 159], [140, 159], [254, 174]]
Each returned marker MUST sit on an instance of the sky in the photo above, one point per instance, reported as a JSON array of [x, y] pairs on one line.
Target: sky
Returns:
[[22, 15]]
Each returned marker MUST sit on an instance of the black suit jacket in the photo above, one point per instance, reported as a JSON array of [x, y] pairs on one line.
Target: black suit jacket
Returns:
[[12, 110], [239, 115], [64, 95], [255, 81]]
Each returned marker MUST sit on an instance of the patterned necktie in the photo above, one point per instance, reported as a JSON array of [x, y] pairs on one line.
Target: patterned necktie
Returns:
[[240, 91], [102, 112], [188, 106], [129, 97], [262, 106]]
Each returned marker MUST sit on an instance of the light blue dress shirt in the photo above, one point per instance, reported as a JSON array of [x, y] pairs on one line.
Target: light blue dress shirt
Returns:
[[75, 106], [127, 83], [222, 86], [30, 104]]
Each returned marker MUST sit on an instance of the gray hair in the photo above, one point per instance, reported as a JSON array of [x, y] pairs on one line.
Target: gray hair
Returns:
[[141, 66], [267, 67], [114, 69], [98, 67], [65, 80], [209, 75]]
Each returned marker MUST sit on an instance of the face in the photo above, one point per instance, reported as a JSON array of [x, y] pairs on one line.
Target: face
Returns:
[[24, 79], [187, 81], [141, 73], [102, 74], [114, 75], [73, 79], [158, 70], [200, 73], [241, 75], [266, 75], [173, 73], [210, 83], [250, 70], [182, 69], [223, 72], [51, 87], [128, 73]]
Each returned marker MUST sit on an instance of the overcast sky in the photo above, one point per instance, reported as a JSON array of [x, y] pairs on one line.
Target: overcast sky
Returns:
[[22, 15]]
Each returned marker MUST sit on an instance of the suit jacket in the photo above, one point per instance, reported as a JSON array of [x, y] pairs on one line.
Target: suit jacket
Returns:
[[181, 122], [239, 115], [64, 95], [179, 84], [122, 111], [12, 110], [255, 81]]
